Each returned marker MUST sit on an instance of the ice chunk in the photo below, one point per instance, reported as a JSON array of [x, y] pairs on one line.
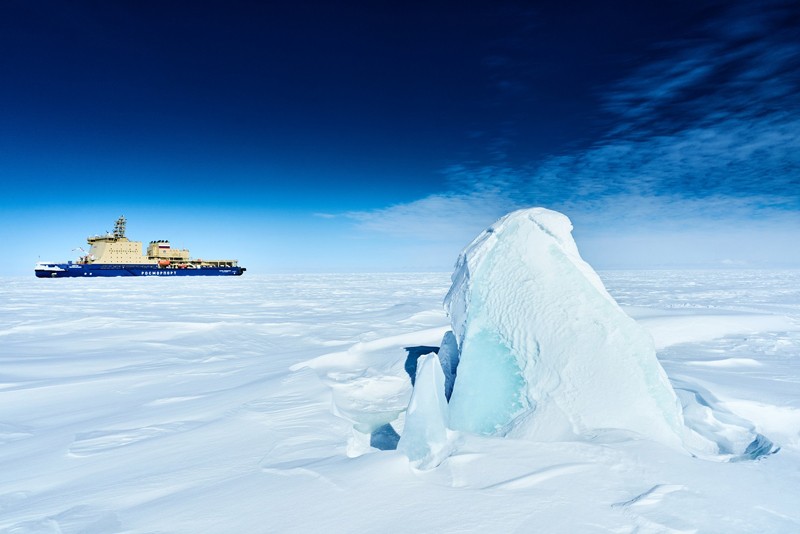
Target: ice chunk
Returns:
[[546, 353], [713, 432], [424, 438], [448, 358], [413, 355], [449, 350]]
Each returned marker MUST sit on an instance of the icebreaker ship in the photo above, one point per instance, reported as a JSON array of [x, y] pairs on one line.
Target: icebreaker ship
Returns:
[[545, 353]]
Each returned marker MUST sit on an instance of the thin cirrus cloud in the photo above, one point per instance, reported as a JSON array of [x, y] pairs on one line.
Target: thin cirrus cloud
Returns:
[[705, 138]]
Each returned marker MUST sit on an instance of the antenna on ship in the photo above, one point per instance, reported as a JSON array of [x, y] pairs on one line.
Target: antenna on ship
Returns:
[[119, 227]]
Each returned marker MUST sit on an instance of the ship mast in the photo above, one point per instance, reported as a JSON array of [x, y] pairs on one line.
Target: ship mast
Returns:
[[119, 228]]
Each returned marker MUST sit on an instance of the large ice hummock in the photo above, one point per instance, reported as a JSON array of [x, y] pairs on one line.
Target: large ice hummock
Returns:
[[545, 352]]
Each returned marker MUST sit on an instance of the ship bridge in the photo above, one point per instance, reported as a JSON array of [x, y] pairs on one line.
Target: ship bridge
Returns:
[[116, 248], [162, 250]]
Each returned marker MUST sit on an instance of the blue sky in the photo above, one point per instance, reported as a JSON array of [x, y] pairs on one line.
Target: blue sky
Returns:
[[321, 137]]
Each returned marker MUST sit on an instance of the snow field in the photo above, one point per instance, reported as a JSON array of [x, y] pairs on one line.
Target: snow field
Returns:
[[151, 405]]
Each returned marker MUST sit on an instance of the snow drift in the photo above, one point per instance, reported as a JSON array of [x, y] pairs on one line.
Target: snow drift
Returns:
[[545, 352]]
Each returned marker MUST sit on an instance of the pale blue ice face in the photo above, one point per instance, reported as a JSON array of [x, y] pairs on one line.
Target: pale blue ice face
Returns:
[[488, 391], [425, 432]]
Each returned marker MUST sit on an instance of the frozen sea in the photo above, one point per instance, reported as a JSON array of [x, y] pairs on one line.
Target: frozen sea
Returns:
[[229, 405]]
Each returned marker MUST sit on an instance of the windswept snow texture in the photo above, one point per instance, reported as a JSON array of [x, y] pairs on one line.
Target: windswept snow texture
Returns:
[[546, 353], [145, 406]]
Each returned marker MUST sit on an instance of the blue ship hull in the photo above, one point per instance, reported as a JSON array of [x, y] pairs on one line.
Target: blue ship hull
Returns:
[[67, 270]]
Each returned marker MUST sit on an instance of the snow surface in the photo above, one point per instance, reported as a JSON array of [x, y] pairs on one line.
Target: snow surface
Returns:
[[546, 353], [231, 405]]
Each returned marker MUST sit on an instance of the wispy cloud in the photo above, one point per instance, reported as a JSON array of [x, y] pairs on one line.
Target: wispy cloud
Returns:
[[707, 134], [446, 216]]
